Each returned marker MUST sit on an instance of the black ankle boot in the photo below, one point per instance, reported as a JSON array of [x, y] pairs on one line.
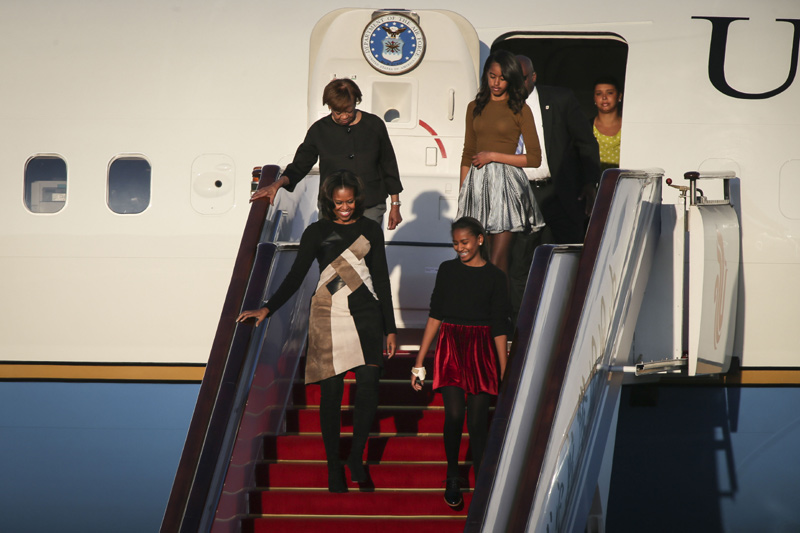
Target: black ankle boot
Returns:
[[336, 482], [452, 492], [357, 472]]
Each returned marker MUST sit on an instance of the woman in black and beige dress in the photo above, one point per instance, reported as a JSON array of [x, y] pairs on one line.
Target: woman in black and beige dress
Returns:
[[351, 311]]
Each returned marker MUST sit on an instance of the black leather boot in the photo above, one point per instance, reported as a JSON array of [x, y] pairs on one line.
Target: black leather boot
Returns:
[[452, 492], [336, 482]]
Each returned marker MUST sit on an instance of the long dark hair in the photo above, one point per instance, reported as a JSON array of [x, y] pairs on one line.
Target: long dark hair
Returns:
[[512, 73], [341, 179], [475, 229]]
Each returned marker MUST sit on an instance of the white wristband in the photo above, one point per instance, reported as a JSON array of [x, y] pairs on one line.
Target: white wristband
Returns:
[[419, 372]]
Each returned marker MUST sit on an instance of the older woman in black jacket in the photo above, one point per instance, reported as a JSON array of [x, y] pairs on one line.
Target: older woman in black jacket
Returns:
[[348, 139]]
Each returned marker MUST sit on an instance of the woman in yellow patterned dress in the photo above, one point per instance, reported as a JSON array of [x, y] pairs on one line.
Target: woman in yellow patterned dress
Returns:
[[607, 125]]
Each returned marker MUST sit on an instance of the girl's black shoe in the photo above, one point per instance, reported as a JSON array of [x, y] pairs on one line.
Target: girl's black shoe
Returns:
[[452, 492]]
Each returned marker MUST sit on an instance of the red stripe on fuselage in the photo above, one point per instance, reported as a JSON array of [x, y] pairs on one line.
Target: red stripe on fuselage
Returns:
[[435, 135]]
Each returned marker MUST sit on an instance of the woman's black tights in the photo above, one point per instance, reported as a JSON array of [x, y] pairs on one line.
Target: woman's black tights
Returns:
[[330, 408], [477, 406]]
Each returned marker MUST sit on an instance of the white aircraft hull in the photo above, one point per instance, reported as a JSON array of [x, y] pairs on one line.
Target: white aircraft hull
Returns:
[[210, 90], [182, 86]]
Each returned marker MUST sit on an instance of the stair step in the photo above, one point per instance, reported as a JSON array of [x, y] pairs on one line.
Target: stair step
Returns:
[[404, 458], [379, 503], [398, 367], [309, 447], [387, 420], [314, 475], [390, 392], [353, 524]]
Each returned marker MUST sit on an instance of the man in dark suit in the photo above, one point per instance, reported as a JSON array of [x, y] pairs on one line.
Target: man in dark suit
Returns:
[[565, 184]]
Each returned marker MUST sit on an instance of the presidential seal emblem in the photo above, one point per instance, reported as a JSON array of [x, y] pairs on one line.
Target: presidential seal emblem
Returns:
[[393, 43]]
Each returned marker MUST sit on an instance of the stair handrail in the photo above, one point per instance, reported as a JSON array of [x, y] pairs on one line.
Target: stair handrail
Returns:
[[555, 370], [192, 480], [261, 390]]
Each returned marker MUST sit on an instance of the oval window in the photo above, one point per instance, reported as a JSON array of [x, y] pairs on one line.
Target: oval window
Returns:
[[45, 184], [129, 185]]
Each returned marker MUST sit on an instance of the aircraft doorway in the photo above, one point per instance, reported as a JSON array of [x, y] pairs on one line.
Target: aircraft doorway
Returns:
[[572, 60]]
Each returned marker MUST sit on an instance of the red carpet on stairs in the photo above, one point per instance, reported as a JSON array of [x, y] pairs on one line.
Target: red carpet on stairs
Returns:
[[405, 460]]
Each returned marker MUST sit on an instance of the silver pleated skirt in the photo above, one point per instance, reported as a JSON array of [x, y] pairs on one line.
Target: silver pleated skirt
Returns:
[[499, 197]]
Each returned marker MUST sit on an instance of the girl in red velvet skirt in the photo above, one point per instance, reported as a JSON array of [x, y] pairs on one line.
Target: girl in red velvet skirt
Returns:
[[470, 310]]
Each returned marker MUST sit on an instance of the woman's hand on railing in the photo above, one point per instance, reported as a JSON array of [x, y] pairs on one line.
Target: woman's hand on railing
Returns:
[[270, 191], [258, 314]]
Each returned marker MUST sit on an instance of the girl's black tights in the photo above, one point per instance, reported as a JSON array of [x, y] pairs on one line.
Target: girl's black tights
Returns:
[[330, 408], [477, 407]]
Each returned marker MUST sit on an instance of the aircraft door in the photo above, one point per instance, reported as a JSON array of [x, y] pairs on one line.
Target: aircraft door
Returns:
[[577, 61], [694, 290], [714, 248]]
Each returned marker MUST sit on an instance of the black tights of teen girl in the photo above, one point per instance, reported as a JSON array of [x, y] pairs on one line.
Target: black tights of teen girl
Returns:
[[365, 407], [477, 407]]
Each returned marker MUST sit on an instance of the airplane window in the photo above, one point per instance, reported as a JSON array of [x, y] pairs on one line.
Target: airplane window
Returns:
[[129, 185], [45, 184]]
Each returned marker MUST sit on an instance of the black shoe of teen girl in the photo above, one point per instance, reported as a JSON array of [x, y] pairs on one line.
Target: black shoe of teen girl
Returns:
[[452, 492]]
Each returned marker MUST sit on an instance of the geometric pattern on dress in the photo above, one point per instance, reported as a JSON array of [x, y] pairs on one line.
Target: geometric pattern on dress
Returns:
[[335, 346]]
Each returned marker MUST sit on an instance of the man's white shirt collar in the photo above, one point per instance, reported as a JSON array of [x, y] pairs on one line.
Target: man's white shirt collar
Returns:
[[543, 171]]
